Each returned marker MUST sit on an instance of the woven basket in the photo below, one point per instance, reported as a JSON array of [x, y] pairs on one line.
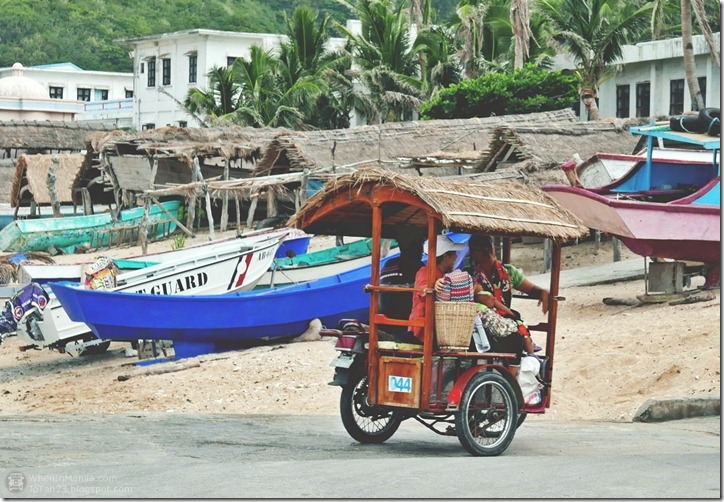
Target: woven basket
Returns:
[[454, 323]]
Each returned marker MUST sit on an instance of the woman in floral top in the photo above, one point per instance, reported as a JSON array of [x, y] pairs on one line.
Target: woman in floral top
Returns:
[[494, 284]]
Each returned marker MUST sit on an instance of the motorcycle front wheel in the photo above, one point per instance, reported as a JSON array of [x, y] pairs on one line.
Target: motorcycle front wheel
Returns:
[[363, 422]]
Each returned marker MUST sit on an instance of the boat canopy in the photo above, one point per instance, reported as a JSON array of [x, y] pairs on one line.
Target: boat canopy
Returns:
[[507, 209]]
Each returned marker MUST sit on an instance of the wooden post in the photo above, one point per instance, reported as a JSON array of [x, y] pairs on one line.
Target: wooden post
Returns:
[[546, 255], [238, 214], [597, 239], [143, 231], [50, 180], [191, 210], [178, 223], [154, 170], [252, 210], [86, 200], [616, 249], [209, 216], [271, 203], [225, 200]]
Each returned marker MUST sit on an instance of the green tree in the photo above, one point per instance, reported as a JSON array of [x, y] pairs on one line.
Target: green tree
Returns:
[[525, 90], [388, 67], [594, 33], [442, 64], [222, 97]]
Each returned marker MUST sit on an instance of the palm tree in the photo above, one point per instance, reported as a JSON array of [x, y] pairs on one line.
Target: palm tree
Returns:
[[263, 103], [520, 21], [470, 18], [443, 66], [387, 65], [687, 41], [221, 99], [594, 33]]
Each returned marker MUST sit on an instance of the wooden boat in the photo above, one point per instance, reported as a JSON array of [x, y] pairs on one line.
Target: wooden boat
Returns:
[[69, 232], [42, 273], [8, 213], [660, 208], [295, 244], [214, 268], [605, 168], [199, 324], [310, 266]]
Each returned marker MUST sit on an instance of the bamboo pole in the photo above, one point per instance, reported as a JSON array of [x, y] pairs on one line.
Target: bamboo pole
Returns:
[[173, 218]]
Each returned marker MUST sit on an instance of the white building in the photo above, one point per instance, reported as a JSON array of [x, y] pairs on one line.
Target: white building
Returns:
[[167, 66], [650, 80], [94, 96]]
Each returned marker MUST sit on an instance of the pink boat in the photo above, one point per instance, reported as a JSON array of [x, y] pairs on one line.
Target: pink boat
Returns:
[[663, 207]]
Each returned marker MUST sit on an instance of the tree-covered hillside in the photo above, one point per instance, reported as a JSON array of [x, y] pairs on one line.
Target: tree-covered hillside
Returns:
[[85, 32]]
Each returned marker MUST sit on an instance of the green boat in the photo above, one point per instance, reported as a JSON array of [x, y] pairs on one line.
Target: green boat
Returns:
[[310, 266], [97, 230]]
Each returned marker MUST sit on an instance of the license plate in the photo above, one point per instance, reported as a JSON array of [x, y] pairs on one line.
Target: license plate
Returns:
[[343, 361]]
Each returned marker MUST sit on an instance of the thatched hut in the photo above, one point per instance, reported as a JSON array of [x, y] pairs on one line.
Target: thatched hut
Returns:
[[507, 209], [392, 145], [38, 137], [540, 149], [31, 178]]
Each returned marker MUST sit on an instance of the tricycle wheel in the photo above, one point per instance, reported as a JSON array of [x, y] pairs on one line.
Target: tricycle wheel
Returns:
[[363, 422], [488, 415], [521, 419]]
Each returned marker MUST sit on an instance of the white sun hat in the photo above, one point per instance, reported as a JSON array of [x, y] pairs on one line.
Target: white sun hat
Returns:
[[445, 244]]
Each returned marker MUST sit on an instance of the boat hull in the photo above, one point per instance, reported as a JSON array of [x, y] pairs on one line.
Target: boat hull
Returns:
[[217, 268], [210, 323], [69, 232], [689, 232], [323, 263]]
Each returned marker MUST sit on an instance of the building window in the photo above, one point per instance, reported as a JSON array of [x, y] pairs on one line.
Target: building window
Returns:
[[84, 94], [152, 72], [702, 88], [230, 60], [623, 99], [55, 92], [165, 71], [146, 127], [643, 99], [182, 123], [676, 97], [143, 67], [193, 63], [100, 95], [129, 93]]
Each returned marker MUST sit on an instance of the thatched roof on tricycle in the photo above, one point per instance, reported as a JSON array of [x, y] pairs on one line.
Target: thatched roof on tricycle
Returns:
[[506, 208]]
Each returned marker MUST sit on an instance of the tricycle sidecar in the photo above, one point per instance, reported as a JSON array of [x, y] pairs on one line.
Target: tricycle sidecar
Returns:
[[452, 391]]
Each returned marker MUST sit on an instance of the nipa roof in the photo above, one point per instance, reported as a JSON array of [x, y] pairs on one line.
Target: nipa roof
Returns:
[[547, 146], [229, 141], [32, 170], [47, 135], [499, 208], [297, 150]]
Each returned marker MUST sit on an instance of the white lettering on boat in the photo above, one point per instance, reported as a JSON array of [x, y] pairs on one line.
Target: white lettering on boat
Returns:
[[185, 283]]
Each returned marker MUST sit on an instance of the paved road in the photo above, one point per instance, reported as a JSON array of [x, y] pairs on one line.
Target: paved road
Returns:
[[214, 456]]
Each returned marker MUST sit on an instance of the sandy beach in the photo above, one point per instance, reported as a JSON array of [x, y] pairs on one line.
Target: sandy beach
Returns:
[[609, 359]]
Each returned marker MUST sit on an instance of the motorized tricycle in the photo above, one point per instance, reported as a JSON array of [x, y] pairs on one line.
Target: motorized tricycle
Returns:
[[456, 392]]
